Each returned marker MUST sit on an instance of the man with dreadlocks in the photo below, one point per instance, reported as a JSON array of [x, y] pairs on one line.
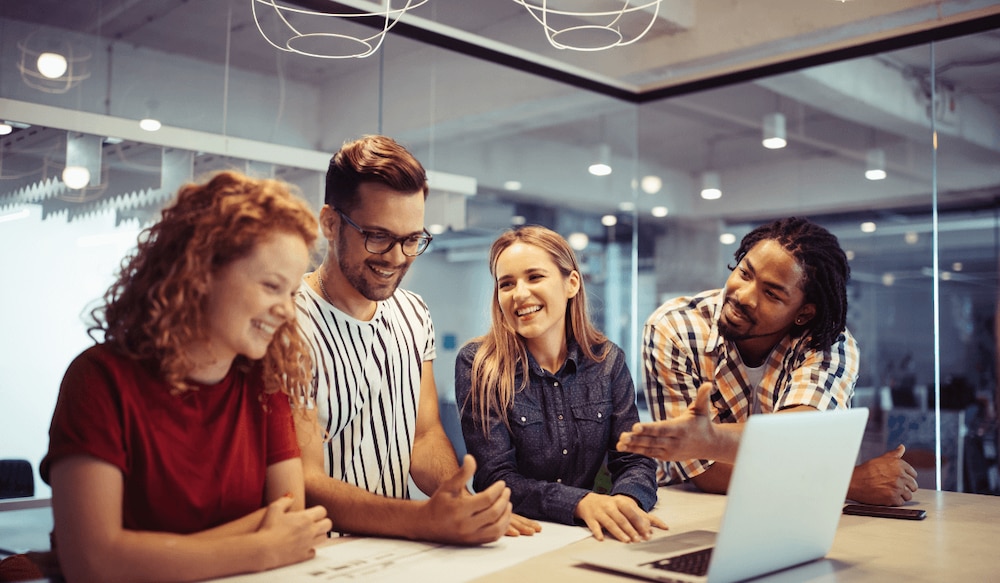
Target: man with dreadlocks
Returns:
[[773, 340]]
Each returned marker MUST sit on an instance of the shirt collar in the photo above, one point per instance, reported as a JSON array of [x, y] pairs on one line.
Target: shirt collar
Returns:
[[715, 342], [573, 356]]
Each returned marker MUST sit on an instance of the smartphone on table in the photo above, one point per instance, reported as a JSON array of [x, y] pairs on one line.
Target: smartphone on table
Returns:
[[885, 511]]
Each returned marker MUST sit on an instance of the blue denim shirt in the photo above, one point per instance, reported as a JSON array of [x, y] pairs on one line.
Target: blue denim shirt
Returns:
[[561, 428]]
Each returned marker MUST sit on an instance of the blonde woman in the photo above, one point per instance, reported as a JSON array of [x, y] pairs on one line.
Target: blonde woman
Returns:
[[544, 396]]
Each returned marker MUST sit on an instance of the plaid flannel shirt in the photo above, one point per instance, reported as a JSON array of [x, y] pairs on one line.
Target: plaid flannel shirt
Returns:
[[682, 349]]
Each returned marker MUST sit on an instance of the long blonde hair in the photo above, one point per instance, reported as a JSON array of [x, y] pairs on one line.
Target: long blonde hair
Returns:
[[502, 352]]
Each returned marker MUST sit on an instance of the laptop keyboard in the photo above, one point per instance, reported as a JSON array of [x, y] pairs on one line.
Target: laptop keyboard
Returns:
[[693, 563]]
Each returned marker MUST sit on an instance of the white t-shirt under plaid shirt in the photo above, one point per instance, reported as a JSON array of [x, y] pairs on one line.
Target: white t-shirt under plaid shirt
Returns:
[[366, 386], [682, 349]]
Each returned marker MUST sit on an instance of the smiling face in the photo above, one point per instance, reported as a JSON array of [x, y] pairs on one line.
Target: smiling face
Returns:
[[764, 300], [373, 277], [250, 298], [533, 294]]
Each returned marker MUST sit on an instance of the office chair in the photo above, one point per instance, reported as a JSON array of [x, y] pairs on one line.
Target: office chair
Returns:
[[17, 480]]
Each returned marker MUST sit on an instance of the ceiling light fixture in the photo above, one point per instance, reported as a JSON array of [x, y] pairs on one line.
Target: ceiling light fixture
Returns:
[[601, 29], [876, 164], [578, 241], [306, 32], [75, 177], [651, 184], [5, 128], [710, 186], [52, 63], [150, 124], [659, 211], [609, 220], [603, 165], [774, 131]]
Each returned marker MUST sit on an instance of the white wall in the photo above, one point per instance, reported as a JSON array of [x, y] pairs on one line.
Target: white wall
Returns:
[[52, 270]]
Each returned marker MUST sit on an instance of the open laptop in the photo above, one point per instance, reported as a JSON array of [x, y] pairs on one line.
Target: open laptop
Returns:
[[785, 498]]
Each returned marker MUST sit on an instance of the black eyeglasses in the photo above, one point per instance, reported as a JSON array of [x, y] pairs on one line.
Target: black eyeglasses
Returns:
[[380, 242]]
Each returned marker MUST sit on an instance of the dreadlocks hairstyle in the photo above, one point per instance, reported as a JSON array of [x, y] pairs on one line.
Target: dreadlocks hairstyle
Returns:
[[157, 305], [372, 159], [826, 272], [502, 352]]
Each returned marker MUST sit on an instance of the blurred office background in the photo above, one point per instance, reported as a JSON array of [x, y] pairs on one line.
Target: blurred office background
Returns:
[[889, 114]]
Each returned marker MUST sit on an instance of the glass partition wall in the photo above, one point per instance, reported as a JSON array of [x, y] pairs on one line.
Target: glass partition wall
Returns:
[[506, 146]]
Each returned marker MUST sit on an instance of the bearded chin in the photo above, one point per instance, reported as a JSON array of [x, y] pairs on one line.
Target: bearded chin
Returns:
[[730, 334]]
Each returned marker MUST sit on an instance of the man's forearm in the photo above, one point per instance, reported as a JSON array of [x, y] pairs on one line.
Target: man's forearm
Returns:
[[715, 479], [355, 510], [432, 461]]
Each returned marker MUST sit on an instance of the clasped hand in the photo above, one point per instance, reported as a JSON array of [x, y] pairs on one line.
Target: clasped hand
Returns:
[[295, 534]]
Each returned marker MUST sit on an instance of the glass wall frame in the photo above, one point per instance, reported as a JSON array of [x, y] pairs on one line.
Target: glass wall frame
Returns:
[[929, 340]]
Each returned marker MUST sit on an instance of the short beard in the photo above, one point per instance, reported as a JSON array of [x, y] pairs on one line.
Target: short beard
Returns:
[[731, 335], [358, 281]]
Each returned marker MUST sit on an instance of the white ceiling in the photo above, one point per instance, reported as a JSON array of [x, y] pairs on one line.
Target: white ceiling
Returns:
[[481, 117]]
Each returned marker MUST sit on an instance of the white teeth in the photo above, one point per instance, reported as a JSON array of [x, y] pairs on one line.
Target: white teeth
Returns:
[[266, 328], [383, 273], [527, 311]]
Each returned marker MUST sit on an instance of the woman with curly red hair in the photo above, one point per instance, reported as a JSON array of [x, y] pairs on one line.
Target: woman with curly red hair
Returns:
[[172, 451]]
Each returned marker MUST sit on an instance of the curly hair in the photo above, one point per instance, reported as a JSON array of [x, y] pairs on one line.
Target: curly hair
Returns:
[[372, 159], [502, 352], [826, 272], [157, 305]]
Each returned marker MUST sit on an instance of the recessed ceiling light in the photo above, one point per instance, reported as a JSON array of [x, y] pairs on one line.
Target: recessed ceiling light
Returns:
[[75, 177], [578, 241], [651, 184], [149, 124]]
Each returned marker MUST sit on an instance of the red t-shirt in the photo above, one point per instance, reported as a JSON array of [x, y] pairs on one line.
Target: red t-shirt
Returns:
[[189, 462]]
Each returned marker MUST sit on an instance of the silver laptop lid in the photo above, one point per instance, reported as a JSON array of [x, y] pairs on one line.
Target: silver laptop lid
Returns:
[[787, 489]]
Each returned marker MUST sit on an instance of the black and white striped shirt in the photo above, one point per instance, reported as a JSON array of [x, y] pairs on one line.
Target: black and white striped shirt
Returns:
[[366, 385]]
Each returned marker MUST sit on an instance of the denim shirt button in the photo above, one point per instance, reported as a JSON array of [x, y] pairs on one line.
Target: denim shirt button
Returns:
[[560, 417], [523, 419], [558, 480], [565, 451], [555, 383], [599, 415]]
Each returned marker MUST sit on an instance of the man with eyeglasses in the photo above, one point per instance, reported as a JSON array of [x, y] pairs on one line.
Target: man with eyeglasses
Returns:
[[374, 420]]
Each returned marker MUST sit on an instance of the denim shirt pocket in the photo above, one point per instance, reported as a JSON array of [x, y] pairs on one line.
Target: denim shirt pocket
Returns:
[[593, 422], [527, 424]]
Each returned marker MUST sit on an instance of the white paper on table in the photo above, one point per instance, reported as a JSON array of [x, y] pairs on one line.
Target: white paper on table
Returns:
[[382, 559]]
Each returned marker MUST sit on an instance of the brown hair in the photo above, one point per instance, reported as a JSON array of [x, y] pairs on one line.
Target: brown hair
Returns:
[[372, 159], [157, 305]]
